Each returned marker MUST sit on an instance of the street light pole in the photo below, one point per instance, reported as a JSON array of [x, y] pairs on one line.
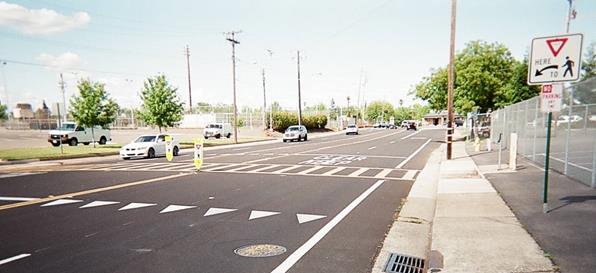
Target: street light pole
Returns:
[[63, 88], [234, 43], [299, 95], [6, 92], [451, 81]]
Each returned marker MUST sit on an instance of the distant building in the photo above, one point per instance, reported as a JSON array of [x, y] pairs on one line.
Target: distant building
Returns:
[[439, 118], [23, 111]]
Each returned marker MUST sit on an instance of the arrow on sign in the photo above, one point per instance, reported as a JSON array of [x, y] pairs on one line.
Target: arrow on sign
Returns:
[[539, 72], [559, 42]]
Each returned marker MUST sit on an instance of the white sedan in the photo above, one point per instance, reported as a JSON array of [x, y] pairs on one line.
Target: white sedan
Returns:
[[148, 146], [352, 129]]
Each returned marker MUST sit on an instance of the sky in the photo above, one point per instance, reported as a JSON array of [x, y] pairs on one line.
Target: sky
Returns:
[[380, 47]]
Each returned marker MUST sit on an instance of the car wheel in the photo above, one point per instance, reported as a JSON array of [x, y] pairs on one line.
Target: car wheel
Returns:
[[306, 137], [86, 143], [73, 142], [299, 138], [151, 153], [285, 140], [217, 136], [229, 135], [176, 150], [126, 158], [206, 137], [102, 140]]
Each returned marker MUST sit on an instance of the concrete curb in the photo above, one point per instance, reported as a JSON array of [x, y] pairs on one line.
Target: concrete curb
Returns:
[[411, 232]]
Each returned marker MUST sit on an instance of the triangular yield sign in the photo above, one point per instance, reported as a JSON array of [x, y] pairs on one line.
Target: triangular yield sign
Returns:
[[61, 202], [555, 45], [98, 204], [214, 211], [255, 214], [305, 218], [136, 206], [171, 208]]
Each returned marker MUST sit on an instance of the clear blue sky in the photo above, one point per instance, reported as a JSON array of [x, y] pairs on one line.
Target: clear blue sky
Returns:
[[395, 43]]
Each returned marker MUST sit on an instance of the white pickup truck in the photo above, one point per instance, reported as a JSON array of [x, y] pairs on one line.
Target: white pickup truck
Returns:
[[72, 135]]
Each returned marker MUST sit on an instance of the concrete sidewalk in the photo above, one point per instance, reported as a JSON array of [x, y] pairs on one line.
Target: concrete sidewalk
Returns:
[[454, 215]]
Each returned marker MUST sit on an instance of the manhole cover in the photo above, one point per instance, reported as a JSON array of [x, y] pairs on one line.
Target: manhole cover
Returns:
[[263, 250]]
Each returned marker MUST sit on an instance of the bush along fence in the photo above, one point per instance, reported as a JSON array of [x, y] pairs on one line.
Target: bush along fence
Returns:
[[283, 120]]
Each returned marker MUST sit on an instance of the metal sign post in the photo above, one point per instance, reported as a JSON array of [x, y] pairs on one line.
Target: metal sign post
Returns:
[[169, 148], [553, 60]]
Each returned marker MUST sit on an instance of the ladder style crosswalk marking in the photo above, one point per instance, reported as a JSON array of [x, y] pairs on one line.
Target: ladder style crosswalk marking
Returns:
[[98, 204], [241, 168], [409, 174], [61, 202], [383, 173], [311, 170], [224, 167], [335, 170], [358, 172], [287, 169], [256, 214], [159, 165], [136, 206], [262, 168], [215, 211], [305, 218], [172, 208]]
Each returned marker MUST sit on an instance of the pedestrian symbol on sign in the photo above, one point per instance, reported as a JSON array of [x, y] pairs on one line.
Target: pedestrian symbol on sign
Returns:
[[569, 64]]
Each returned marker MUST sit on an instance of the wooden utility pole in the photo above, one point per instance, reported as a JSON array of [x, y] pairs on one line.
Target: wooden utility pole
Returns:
[[234, 42], [187, 53], [63, 88], [451, 81], [299, 95]]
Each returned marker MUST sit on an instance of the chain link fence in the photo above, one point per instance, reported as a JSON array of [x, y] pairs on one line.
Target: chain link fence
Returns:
[[573, 131]]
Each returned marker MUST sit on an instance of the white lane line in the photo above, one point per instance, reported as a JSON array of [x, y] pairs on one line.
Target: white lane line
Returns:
[[287, 169], [136, 206], [263, 168], [311, 170], [219, 168], [172, 208], [420, 138], [258, 160], [570, 163], [9, 198], [372, 147], [383, 173], [256, 214], [242, 168], [240, 149], [409, 174], [305, 218], [411, 135], [308, 245], [391, 142], [215, 211], [7, 175], [98, 204], [336, 170], [61, 202], [413, 154], [11, 259], [358, 172]]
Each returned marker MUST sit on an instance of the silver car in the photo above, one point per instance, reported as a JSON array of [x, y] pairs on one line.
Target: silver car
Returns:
[[295, 132]]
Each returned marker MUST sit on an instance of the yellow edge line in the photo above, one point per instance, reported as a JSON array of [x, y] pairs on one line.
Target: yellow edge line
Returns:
[[70, 195]]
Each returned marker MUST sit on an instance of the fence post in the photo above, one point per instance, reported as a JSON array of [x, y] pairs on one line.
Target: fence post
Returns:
[[586, 119], [535, 129], [524, 127], [568, 135], [594, 162]]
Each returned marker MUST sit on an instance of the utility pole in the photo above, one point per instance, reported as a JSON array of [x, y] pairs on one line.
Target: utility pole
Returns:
[[348, 109], [264, 100], [569, 15], [234, 42], [63, 88], [187, 54], [451, 81], [6, 92], [299, 95]]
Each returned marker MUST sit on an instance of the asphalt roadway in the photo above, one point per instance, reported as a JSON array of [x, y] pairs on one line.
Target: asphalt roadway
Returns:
[[328, 202]]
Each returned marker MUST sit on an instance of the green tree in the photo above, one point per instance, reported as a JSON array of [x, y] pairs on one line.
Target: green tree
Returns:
[[379, 109], [3, 112], [161, 105], [93, 107], [402, 113], [516, 89], [433, 89], [419, 111], [589, 62]]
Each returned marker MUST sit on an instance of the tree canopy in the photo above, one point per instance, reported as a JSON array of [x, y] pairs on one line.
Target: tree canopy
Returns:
[[3, 112], [379, 109], [161, 104]]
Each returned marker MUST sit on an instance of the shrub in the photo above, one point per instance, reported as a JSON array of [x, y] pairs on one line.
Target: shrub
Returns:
[[283, 120]]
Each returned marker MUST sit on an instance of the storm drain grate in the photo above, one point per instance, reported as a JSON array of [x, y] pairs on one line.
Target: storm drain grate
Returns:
[[399, 263]]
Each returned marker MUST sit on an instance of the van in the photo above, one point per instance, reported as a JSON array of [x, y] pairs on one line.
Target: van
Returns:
[[217, 130]]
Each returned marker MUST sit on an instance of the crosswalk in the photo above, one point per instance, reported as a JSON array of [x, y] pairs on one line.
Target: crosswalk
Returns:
[[275, 169], [119, 207]]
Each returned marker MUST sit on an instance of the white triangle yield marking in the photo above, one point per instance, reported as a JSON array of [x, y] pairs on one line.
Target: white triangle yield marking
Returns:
[[61, 202], [255, 214], [214, 211], [305, 218], [98, 204], [171, 208], [136, 206]]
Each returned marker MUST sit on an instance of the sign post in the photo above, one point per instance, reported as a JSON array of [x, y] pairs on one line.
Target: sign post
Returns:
[[198, 153], [553, 61], [169, 148]]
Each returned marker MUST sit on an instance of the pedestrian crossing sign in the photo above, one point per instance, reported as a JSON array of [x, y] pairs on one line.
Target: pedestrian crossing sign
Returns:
[[169, 148], [198, 153]]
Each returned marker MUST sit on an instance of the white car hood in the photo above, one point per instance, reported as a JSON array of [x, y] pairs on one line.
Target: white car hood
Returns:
[[59, 132], [138, 145], [212, 130]]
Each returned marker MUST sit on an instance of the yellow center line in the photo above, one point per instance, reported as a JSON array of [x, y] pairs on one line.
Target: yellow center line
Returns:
[[70, 195]]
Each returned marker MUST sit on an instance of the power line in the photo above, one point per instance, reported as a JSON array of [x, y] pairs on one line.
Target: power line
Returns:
[[67, 68]]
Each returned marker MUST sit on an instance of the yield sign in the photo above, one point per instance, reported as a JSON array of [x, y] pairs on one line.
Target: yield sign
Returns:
[[555, 45]]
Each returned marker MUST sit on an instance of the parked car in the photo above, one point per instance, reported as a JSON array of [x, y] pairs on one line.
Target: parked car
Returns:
[[412, 126], [72, 134], [148, 146], [352, 129], [295, 132], [217, 130]]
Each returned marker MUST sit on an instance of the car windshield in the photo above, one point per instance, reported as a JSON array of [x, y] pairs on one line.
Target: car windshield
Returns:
[[293, 129], [145, 139], [351, 126], [216, 126], [67, 127]]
